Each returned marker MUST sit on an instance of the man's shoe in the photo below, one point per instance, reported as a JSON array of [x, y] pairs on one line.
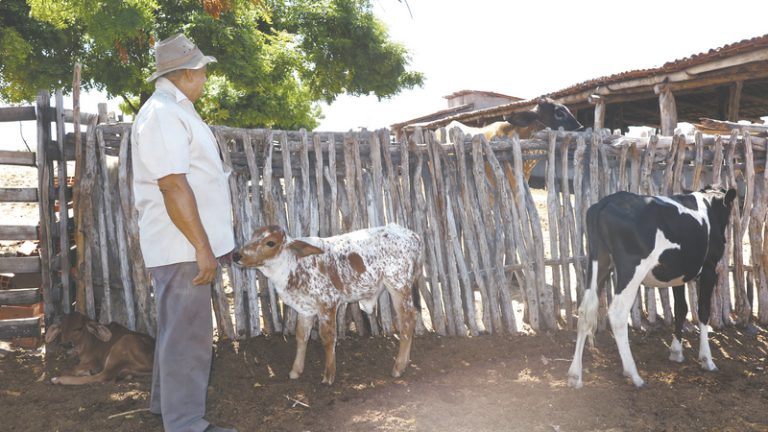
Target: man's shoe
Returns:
[[212, 428]]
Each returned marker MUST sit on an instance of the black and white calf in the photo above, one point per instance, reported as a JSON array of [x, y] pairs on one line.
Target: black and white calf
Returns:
[[656, 241]]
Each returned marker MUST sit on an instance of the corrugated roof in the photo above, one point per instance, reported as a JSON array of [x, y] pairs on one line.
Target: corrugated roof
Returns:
[[729, 50]]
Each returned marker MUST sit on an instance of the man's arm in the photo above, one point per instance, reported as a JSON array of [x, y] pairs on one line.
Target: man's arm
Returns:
[[181, 206]]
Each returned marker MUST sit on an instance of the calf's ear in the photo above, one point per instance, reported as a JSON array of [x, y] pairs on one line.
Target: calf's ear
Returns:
[[99, 330], [729, 197], [52, 333], [303, 249]]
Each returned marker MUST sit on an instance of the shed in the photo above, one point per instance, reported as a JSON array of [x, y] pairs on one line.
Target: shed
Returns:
[[726, 83]]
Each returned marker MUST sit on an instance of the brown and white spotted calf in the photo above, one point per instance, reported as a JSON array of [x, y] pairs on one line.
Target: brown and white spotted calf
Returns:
[[315, 275]]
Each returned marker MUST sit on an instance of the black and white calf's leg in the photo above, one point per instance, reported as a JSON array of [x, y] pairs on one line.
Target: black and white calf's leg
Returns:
[[681, 310], [707, 281], [629, 280], [598, 273]]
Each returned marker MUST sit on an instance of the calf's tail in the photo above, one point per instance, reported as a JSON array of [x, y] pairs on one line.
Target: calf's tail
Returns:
[[589, 304], [415, 295]]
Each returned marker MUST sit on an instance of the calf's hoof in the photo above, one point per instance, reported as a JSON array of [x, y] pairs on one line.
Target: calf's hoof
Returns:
[[55, 380], [708, 365], [638, 382], [575, 382], [294, 375], [676, 357], [328, 381]]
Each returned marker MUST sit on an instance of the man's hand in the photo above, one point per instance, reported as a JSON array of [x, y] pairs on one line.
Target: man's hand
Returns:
[[207, 267]]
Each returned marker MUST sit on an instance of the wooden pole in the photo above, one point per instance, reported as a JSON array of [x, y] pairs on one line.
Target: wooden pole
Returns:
[[79, 237], [126, 264], [555, 227], [486, 231], [579, 215], [270, 218], [667, 108], [759, 244], [505, 205], [567, 230], [742, 308], [257, 220], [471, 222], [599, 104], [86, 231], [107, 220], [61, 166], [534, 279], [355, 219], [141, 279], [734, 101]]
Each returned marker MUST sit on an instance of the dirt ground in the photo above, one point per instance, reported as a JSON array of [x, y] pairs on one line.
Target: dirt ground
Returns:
[[487, 383]]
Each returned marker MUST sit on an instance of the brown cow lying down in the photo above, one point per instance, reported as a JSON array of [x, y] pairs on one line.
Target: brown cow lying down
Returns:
[[106, 353]]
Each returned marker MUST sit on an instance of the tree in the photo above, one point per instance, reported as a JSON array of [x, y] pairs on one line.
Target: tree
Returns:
[[277, 58]]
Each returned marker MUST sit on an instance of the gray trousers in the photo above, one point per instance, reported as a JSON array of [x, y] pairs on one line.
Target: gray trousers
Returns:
[[183, 349]]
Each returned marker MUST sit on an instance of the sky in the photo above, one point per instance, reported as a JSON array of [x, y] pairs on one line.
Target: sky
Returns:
[[522, 49], [530, 48]]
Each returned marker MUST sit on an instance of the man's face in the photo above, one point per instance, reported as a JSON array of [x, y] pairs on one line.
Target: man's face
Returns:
[[197, 78]]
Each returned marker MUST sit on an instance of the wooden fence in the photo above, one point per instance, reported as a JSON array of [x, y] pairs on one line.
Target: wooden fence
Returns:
[[490, 253], [45, 273]]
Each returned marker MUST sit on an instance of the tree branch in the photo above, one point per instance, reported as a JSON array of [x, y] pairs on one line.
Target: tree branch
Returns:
[[128, 101]]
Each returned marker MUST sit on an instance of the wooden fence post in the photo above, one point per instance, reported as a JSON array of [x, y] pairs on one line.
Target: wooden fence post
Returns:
[[51, 298], [61, 167]]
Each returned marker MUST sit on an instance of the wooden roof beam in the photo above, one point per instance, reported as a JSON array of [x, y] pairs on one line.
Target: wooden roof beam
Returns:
[[676, 81], [599, 104], [668, 109], [734, 101]]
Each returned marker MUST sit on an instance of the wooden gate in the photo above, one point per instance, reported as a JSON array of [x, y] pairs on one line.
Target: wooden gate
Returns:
[[45, 273]]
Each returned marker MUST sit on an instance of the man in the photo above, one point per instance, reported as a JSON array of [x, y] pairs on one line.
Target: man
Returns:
[[181, 194]]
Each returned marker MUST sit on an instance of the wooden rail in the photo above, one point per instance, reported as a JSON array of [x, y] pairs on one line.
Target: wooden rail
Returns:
[[20, 264], [20, 328], [17, 158], [18, 195], [18, 232], [22, 296]]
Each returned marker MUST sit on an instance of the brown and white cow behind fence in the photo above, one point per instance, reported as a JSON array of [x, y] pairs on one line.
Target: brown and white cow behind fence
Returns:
[[316, 275], [546, 114]]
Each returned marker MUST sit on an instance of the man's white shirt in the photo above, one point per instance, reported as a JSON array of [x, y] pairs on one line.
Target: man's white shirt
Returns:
[[169, 137]]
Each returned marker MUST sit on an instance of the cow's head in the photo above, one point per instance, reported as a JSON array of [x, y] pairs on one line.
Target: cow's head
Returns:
[[74, 329], [268, 243], [546, 114]]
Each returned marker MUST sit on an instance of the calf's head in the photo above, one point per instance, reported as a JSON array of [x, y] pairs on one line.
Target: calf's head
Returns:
[[720, 205], [74, 329], [268, 243]]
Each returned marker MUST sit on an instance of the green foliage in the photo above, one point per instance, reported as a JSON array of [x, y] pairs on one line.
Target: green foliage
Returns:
[[34, 55], [276, 58], [348, 51]]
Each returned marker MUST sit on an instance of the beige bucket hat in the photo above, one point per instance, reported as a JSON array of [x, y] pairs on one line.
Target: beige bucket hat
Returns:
[[177, 52]]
